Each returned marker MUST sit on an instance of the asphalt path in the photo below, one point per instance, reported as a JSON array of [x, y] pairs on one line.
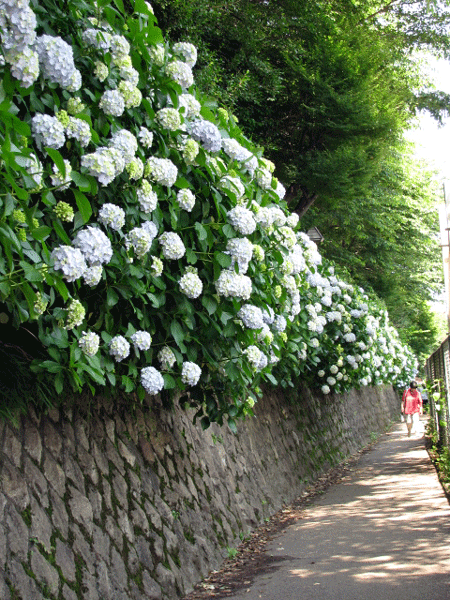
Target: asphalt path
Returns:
[[381, 533]]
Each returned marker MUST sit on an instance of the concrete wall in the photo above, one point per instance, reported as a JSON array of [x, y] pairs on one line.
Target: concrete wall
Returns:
[[103, 502]]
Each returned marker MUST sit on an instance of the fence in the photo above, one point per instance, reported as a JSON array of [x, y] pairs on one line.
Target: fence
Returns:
[[437, 370]]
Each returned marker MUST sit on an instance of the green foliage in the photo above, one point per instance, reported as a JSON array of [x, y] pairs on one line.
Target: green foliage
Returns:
[[326, 87], [144, 260]]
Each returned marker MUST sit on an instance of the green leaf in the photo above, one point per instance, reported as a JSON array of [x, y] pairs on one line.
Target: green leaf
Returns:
[[57, 159], [228, 231], [112, 298], [210, 304], [191, 257], [30, 272], [5, 289], [169, 382], [223, 259], [182, 183], [84, 206], [60, 232], [271, 378], [201, 231], [82, 182], [41, 233], [232, 425], [178, 335], [128, 384]]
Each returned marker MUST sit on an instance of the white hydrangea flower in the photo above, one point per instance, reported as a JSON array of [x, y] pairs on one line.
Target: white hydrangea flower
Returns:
[[145, 137], [292, 220], [157, 267], [101, 71], [142, 340], [105, 164], [147, 198], [191, 285], [59, 180], [92, 275], [119, 348], [129, 76], [56, 62], [251, 316], [278, 216], [181, 73], [124, 141], [169, 118], [190, 149], [157, 54], [24, 65], [89, 343], [135, 168], [233, 284], [191, 105], [131, 94], [34, 169], [96, 38], [190, 373], [207, 134], [186, 199], [233, 184], [112, 103], [140, 238], [17, 25], [254, 356], [263, 216], [237, 152], [279, 323], [187, 51], [321, 373], [264, 179], [242, 220], [172, 245], [111, 215], [94, 244], [280, 190], [70, 261], [47, 131], [79, 130], [166, 358], [162, 170], [119, 46], [75, 315], [325, 389], [268, 315], [263, 362], [241, 251], [152, 381]]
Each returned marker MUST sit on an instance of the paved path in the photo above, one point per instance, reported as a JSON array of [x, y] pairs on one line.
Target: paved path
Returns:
[[382, 533]]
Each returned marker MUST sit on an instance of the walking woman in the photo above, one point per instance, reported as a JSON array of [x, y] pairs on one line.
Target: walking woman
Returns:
[[412, 407]]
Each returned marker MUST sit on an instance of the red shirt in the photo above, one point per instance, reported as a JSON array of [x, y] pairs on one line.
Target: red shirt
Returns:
[[411, 401]]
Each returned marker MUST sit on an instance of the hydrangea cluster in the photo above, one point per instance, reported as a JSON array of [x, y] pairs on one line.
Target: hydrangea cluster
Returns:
[[152, 381], [56, 62], [242, 220], [190, 104], [47, 131], [207, 134], [104, 164], [126, 143], [119, 348], [61, 181], [169, 118], [145, 137], [181, 73], [142, 340], [190, 284], [147, 198], [94, 244], [78, 130], [93, 275], [64, 211], [186, 199], [112, 103], [70, 261], [75, 314], [251, 316], [111, 215], [140, 239], [188, 52], [235, 285], [190, 373], [172, 245], [89, 343], [241, 251], [166, 358], [161, 170]]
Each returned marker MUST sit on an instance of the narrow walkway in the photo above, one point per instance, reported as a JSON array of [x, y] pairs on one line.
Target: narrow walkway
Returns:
[[382, 533]]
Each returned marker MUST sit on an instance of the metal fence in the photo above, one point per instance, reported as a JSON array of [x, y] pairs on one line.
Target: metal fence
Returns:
[[437, 371]]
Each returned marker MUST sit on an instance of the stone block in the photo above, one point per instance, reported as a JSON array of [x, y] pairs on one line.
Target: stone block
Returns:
[[112, 455], [17, 533], [54, 474], [104, 585], [25, 585], [32, 442], [87, 465], [81, 509], [14, 485], [114, 532], [142, 547], [60, 518], [68, 594], [120, 489], [81, 546], [101, 543], [41, 526], [152, 590], [44, 572], [118, 570], [52, 439], [12, 446], [36, 481], [65, 559], [127, 453]]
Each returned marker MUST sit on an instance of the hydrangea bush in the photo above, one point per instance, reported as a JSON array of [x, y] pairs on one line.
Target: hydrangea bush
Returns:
[[146, 239]]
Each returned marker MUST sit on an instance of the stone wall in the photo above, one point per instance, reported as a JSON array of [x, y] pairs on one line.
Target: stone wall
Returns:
[[100, 503]]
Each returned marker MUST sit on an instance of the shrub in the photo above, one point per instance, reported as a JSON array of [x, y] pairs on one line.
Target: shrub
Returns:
[[145, 238]]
